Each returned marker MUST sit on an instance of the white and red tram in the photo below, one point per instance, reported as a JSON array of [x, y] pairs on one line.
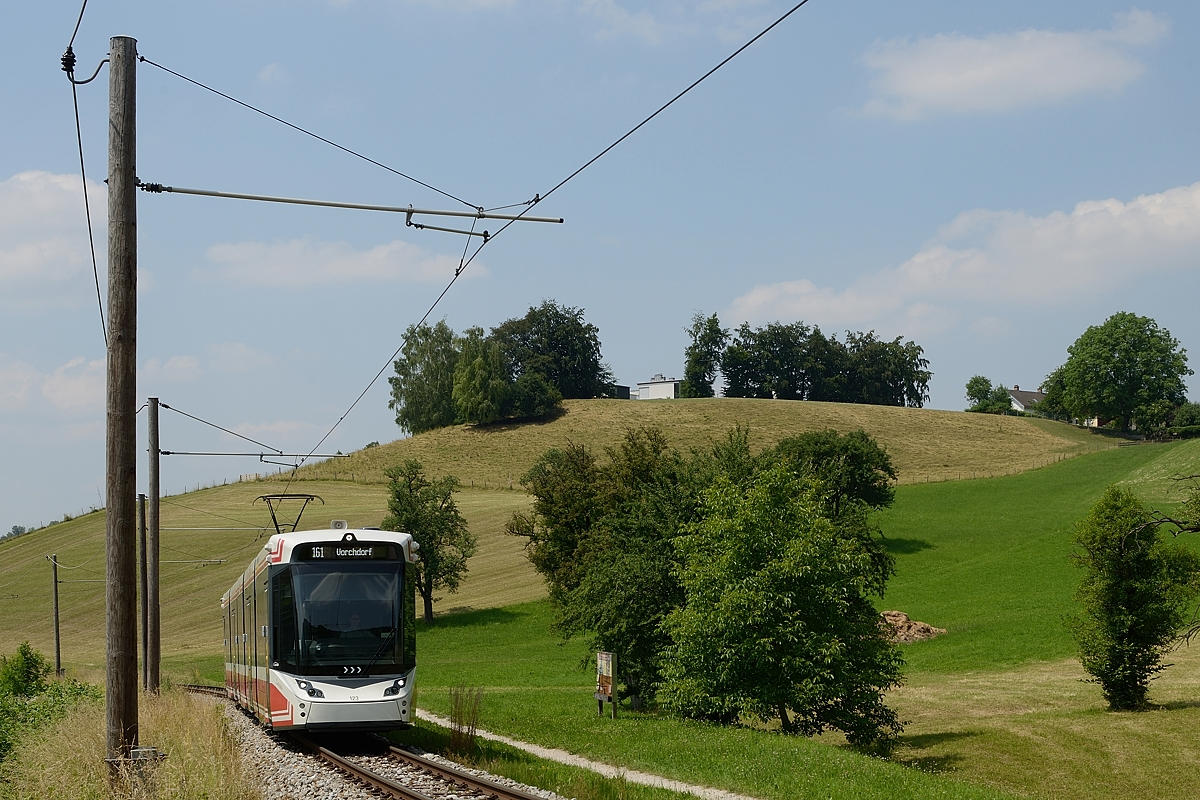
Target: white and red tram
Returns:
[[319, 631]]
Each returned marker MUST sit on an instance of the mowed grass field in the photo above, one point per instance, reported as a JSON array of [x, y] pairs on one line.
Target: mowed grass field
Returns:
[[995, 708]]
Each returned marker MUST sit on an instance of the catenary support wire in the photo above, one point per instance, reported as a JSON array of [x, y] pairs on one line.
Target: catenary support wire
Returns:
[[276, 450]]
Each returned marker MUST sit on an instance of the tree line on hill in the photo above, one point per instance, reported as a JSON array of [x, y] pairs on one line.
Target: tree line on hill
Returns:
[[796, 361], [727, 584], [1127, 373], [523, 369]]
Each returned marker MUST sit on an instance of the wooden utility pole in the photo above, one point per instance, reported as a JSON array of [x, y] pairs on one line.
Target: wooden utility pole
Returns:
[[153, 620], [121, 695], [142, 600], [58, 670]]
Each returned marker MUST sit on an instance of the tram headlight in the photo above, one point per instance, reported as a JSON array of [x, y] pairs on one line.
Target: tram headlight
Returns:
[[395, 688], [309, 689]]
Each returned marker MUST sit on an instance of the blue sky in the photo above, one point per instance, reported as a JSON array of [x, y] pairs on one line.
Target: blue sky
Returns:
[[985, 179]]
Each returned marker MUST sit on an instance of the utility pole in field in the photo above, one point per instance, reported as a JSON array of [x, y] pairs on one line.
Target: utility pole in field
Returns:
[[121, 700], [58, 670], [142, 593], [153, 629]]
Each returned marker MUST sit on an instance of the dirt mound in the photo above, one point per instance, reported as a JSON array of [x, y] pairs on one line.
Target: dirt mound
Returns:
[[905, 630]]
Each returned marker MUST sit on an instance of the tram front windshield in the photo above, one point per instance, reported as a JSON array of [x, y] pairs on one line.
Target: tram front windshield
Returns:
[[339, 618]]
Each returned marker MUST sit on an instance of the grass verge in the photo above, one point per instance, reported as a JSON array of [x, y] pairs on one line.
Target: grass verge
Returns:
[[66, 760]]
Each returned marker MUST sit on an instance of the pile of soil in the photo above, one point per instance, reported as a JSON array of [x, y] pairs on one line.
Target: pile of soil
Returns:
[[905, 630]]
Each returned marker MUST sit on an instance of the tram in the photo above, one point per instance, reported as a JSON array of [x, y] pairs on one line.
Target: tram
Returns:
[[319, 631]]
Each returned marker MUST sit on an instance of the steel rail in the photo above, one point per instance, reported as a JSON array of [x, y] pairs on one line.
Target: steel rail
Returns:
[[372, 779], [358, 772], [464, 779]]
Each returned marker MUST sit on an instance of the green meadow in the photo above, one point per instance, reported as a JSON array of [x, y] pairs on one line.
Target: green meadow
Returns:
[[981, 530]]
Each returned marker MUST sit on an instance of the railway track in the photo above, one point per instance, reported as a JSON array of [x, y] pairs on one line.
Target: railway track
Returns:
[[392, 772]]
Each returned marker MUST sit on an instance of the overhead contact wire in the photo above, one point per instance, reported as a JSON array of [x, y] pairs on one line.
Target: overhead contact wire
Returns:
[[299, 129], [78, 22], [87, 208], [639, 126], [68, 66]]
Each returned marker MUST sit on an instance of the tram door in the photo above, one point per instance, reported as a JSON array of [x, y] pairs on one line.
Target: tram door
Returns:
[[261, 690], [247, 624]]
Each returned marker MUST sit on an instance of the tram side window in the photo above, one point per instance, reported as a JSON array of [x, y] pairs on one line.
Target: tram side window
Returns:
[[283, 618]]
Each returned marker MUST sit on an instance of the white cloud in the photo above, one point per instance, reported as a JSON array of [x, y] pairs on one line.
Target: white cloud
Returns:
[[306, 262], [43, 238], [76, 386], [617, 21], [954, 73], [1003, 258]]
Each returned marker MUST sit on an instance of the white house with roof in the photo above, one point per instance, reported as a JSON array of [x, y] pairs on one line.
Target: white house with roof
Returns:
[[659, 387], [1024, 400]]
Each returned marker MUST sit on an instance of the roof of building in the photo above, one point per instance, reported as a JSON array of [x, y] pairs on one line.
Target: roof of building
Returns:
[[1025, 398]]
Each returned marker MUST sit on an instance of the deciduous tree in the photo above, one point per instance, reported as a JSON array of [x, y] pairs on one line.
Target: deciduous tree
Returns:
[[481, 392], [777, 620], [1134, 596], [426, 509], [423, 386], [845, 468], [703, 356], [555, 342], [1128, 369], [987, 398]]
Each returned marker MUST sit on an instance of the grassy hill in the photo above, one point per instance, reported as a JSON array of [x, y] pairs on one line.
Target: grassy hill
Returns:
[[209, 535], [998, 701], [924, 444]]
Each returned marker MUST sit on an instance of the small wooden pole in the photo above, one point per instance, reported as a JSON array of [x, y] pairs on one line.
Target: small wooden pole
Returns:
[[142, 590], [121, 697], [153, 620], [58, 670]]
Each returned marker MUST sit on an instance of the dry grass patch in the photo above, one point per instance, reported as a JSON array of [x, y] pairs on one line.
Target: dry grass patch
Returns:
[[926, 445], [67, 760]]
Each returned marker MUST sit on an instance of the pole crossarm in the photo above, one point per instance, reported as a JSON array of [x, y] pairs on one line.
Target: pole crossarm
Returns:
[[479, 213]]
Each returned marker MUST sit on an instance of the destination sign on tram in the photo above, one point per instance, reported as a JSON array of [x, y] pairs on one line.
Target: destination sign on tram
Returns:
[[347, 551]]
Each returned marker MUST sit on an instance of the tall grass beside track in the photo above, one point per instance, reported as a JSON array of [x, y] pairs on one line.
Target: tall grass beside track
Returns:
[[67, 759]]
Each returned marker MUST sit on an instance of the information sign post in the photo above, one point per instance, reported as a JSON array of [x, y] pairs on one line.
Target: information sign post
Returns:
[[605, 670]]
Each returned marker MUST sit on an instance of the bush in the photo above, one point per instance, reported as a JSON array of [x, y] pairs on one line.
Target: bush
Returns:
[[1134, 597], [28, 700], [24, 674], [1184, 432], [778, 622], [1187, 416]]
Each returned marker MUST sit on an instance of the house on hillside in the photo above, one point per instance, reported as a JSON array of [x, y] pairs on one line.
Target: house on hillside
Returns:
[[1024, 400], [659, 387]]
